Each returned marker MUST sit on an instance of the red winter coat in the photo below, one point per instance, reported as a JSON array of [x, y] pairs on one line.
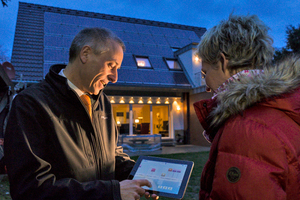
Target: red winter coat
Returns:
[[255, 134]]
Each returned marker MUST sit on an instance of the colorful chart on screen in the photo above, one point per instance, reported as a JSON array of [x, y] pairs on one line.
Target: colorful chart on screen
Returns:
[[168, 177]]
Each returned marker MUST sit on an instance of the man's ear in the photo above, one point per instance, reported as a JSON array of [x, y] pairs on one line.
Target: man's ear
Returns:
[[224, 63], [85, 53]]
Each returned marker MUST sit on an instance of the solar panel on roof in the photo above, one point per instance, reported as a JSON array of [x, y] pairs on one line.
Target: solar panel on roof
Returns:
[[128, 60], [61, 29], [158, 62], [132, 37], [167, 31], [180, 33], [149, 49], [142, 28], [147, 38], [165, 51], [56, 55], [155, 30], [160, 40], [173, 42], [192, 35]]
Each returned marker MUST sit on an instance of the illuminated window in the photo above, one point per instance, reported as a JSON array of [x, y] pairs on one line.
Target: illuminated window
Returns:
[[142, 62], [173, 64]]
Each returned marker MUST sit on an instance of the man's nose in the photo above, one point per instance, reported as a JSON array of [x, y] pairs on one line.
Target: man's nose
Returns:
[[113, 77]]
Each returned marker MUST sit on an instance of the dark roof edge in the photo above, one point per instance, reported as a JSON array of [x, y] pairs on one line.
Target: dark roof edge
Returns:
[[156, 85], [185, 48], [111, 17]]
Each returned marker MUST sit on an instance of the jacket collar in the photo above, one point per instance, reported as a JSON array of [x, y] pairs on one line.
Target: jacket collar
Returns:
[[277, 87], [60, 82]]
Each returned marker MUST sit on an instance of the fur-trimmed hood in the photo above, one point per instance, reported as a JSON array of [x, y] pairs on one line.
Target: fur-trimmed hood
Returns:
[[277, 83]]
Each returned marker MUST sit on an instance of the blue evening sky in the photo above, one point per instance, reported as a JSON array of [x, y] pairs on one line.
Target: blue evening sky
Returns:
[[277, 14]]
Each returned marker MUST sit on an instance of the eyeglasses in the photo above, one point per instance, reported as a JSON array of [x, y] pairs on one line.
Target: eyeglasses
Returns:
[[203, 74]]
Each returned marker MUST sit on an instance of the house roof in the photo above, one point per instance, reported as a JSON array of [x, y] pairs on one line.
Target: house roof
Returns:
[[44, 34]]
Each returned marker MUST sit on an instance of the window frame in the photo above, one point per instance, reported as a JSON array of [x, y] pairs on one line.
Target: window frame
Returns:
[[172, 59], [144, 57]]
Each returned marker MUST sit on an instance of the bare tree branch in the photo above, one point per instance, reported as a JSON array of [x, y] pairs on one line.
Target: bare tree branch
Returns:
[[4, 3]]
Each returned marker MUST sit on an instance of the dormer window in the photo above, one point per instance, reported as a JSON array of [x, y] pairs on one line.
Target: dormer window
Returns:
[[142, 62], [172, 64]]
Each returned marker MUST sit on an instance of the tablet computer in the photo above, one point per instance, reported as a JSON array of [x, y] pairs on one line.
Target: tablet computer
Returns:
[[169, 177]]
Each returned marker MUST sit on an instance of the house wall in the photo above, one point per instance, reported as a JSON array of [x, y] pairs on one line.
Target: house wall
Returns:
[[196, 129], [192, 67]]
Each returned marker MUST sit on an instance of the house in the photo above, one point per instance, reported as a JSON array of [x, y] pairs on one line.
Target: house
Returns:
[[159, 79]]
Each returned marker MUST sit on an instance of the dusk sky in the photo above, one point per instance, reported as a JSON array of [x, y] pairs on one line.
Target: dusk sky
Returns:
[[202, 13]]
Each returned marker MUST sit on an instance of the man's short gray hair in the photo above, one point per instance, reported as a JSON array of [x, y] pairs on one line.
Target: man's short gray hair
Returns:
[[97, 38], [244, 40]]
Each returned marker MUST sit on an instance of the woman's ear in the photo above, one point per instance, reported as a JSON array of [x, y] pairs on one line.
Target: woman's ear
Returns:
[[224, 63], [84, 54]]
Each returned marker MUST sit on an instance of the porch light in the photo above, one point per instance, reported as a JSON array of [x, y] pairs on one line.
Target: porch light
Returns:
[[167, 101], [136, 121], [149, 100], [141, 100], [131, 100], [158, 100], [196, 58], [122, 100], [118, 123], [112, 100]]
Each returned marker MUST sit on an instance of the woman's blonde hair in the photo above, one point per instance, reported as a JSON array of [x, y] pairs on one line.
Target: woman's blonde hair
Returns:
[[244, 40]]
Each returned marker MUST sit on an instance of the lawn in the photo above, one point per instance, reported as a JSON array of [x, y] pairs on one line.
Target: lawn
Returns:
[[199, 159]]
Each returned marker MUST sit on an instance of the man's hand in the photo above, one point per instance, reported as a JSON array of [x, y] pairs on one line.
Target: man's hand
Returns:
[[132, 189]]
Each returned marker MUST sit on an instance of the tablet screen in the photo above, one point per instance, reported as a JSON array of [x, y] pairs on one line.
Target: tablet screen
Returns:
[[168, 177]]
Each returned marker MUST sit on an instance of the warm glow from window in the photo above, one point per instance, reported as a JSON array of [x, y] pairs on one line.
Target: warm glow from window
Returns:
[[141, 63]]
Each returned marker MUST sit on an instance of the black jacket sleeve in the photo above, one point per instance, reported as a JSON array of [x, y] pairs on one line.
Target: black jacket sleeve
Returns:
[[30, 173]]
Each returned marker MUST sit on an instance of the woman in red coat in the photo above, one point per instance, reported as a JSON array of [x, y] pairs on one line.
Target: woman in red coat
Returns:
[[253, 119]]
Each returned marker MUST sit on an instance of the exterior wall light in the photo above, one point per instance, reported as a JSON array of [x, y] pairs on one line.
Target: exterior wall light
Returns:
[[131, 100], [141, 100], [122, 100], [112, 100], [167, 101], [158, 100]]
